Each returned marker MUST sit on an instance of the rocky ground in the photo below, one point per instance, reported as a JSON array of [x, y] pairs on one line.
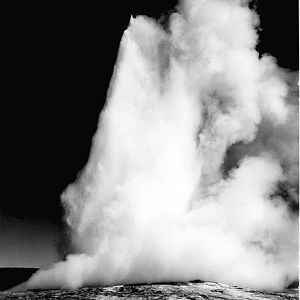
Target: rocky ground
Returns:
[[192, 290]]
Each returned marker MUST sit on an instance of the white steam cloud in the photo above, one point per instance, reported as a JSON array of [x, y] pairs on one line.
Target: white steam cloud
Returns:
[[193, 172]]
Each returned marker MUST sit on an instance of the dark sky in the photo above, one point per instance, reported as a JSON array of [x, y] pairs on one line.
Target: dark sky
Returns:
[[58, 60]]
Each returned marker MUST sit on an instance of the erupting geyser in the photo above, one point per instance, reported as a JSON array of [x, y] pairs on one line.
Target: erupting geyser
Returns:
[[193, 172]]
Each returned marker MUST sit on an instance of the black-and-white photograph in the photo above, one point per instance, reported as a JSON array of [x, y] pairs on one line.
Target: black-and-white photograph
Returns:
[[151, 150]]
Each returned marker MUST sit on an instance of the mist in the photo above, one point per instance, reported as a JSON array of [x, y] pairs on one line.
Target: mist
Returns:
[[193, 170], [28, 243]]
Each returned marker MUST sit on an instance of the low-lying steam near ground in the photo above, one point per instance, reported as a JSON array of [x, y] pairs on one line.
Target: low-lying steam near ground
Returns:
[[193, 172]]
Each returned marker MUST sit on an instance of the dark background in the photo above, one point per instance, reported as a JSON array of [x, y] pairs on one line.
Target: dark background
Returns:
[[57, 63]]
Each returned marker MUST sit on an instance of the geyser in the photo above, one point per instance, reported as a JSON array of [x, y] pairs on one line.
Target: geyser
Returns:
[[193, 171]]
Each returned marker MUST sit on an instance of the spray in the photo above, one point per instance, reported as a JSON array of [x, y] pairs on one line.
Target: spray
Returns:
[[193, 168]]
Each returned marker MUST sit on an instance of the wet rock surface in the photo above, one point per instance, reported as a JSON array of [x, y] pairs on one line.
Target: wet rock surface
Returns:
[[191, 290]]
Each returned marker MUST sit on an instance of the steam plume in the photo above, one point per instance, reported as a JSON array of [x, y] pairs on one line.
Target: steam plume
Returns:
[[193, 172]]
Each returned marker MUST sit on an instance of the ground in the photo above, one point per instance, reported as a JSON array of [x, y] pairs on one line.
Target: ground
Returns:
[[191, 290]]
